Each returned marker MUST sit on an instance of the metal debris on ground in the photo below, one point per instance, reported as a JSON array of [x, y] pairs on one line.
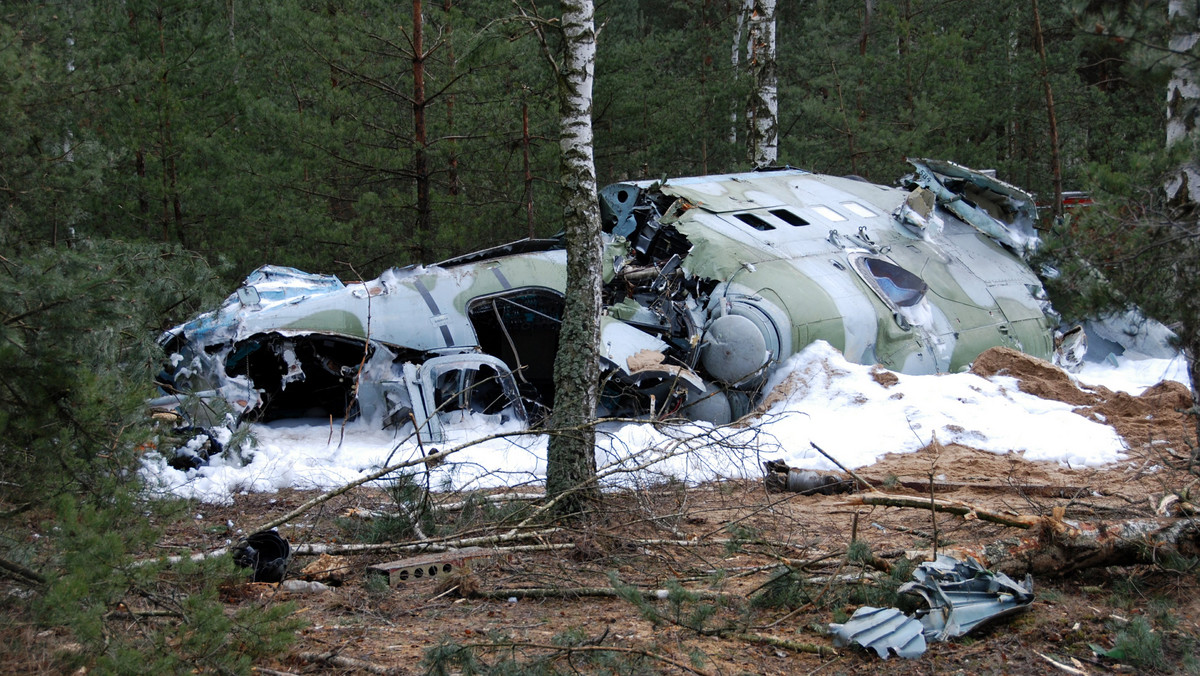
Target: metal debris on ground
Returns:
[[781, 478], [266, 552], [961, 597], [964, 596], [881, 630]]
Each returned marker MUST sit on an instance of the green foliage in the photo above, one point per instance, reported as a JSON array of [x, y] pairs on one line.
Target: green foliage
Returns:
[[413, 512], [859, 552], [285, 133], [205, 636], [517, 659], [786, 588], [739, 536], [790, 588], [377, 586], [1137, 644], [77, 359], [882, 592], [448, 657], [1131, 250], [684, 608]]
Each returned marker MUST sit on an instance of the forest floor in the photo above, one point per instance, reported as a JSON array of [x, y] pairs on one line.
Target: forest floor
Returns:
[[538, 604]]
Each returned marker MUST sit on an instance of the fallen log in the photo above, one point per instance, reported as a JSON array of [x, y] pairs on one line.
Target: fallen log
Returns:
[[963, 509], [1058, 546], [335, 660]]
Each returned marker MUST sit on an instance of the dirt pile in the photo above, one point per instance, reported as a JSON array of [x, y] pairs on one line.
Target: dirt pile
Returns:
[[1156, 417]]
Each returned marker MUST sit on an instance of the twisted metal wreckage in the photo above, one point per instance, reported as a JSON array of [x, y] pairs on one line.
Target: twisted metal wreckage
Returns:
[[710, 284]]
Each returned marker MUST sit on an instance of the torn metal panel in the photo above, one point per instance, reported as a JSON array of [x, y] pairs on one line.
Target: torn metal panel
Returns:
[[960, 597], [884, 630], [1111, 335], [963, 596], [455, 385], [998, 209]]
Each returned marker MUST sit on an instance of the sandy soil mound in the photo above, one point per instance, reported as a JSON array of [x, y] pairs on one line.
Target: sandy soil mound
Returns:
[[1037, 377], [1156, 417]]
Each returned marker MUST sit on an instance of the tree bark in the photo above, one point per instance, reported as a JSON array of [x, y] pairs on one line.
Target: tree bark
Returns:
[[1059, 547], [743, 12], [762, 115], [1183, 185], [453, 188], [1055, 156], [525, 144], [420, 143], [1183, 101], [571, 456]]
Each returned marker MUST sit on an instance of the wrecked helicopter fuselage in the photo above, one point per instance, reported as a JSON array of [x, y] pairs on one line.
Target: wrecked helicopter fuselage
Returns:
[[710, 283]]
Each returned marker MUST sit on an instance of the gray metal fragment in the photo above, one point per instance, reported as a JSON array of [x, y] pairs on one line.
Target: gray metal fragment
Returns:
[[964, 596], [881, 630], [780, 478]]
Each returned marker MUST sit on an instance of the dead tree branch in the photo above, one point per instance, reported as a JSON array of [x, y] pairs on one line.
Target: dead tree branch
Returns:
[[601, 592], [336, 660], [1057, 546], [950, 506], [21, 573], [821, 650]]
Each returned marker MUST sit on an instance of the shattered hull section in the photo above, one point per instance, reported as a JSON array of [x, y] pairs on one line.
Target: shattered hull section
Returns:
[[710, 283]]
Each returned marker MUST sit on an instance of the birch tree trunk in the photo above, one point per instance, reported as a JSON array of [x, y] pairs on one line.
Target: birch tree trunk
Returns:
[[1183, 100], [746, 9], [762, 115], [571, 457], [1183, 185]]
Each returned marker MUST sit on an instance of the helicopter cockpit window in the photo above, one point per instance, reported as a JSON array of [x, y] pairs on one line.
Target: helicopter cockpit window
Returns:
[[897, 284]]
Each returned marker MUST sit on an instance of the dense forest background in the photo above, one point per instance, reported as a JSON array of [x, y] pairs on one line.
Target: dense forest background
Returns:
[[153, 152], [343, 136]]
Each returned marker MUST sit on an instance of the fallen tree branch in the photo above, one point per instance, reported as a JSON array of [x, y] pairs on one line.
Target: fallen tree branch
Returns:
[[270, 672], [497, 498], [821, 650], [950, 506], [1060, 665], [21, 573], [424, 546], [336, 660], [592, 648], [1038, 490], [1057, 546], [602, 592]]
